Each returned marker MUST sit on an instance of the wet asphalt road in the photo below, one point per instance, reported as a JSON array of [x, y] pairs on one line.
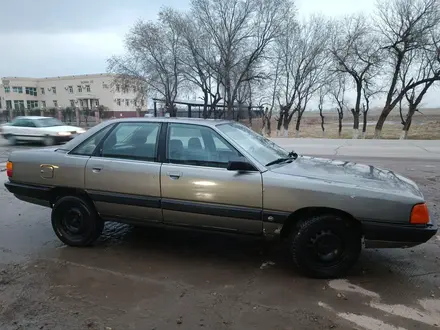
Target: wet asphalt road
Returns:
[[137, 278]]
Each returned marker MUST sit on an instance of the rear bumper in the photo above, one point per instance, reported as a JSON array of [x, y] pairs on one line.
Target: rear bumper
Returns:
[[394, 235], [39, 195]]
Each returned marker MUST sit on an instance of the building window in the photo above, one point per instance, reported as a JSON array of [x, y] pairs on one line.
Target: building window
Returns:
[[8, 105], [127, 102], [31, 91], [88, 88], [105, 86], [72, 103], [118, 102], [18, 105], [54, 90], [135, 103], [125, 90], [97, 103], [80, 89], [17, 89], [118, 88], [142, 102], [7, 89], [70, 89], [134, 89], [32, 104], [42, 90], [55, 103], [43, 104]]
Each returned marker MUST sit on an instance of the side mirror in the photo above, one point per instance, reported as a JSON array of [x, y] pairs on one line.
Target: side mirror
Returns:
[[240, 166]]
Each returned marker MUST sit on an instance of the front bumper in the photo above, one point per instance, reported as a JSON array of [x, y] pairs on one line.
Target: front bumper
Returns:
[[385, 235]]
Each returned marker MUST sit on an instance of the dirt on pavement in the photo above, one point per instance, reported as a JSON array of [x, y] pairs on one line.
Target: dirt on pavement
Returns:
[[142, 278]]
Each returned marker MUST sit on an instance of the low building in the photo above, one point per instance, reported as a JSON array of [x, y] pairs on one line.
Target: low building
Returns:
[[79, 91]]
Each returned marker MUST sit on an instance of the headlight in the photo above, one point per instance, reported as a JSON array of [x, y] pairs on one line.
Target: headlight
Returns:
[[64, 133], [80, 131]]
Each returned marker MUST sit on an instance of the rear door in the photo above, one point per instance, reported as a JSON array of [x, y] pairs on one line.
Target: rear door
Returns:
[[123, 176], [197, 188]]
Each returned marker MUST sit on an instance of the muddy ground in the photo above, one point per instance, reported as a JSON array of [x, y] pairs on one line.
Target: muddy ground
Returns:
[[161, 279]]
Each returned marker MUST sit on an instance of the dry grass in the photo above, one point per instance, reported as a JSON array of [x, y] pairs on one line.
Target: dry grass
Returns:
[[424, 127]]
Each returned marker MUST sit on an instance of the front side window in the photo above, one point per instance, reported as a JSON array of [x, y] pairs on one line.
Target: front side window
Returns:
[[87, 147], [48, 122], [262, 149], [136, 141], [27, 123], [199, 146]]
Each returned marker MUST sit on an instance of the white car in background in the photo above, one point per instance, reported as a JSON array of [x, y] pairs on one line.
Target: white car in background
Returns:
[[47, 130]]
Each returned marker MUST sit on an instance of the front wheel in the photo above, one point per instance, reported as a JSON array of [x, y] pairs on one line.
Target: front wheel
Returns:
[[76, 222], [325, 246], [48, 140], [12, 140]]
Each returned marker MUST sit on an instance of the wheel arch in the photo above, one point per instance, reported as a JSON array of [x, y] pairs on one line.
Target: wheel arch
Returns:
[[296, 217], [58, 192]]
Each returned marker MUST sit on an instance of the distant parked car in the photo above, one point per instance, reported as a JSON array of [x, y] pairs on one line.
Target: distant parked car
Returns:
[[220, 176], [47, 130]]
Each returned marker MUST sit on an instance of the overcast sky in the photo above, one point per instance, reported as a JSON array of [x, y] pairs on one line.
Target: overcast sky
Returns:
[[55, 37]]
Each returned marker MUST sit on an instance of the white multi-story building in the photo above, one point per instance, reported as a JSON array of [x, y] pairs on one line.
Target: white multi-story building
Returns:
[[79, 91]]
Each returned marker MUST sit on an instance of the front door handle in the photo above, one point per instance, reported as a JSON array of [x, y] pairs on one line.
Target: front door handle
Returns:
[[174, 175], [96, 169]]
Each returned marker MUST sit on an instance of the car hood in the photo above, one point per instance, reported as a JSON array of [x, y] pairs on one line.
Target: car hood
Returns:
[[64, 128], [350, 173]]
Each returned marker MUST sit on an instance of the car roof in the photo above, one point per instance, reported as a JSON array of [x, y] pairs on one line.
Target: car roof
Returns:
[[31, 117], [199, 121]]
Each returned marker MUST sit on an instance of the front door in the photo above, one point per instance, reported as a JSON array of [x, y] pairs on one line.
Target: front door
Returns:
[[123, 177], [198, 190]]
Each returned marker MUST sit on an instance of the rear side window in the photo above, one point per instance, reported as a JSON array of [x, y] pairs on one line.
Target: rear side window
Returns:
[[88, 146], [137, 141]]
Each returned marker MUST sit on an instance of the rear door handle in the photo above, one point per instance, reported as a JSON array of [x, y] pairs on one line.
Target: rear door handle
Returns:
[[96, 169], [174, 175]]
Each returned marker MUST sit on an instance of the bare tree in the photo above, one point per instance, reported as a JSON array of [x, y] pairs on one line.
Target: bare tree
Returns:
[[304, 64], [406, 26], [355, 51], [322, 95], [423, 64], [241, 31], [337, 93], [153, 51]]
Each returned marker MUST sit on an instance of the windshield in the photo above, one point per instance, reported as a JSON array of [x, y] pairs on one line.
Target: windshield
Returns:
[[48, 122], [262, 149]]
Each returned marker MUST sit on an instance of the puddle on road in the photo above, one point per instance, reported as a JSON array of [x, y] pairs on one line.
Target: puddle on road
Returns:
[[427, 313]]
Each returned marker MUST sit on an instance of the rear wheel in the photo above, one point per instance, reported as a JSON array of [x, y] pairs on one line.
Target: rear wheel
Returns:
[[76, 222], [325, 246]]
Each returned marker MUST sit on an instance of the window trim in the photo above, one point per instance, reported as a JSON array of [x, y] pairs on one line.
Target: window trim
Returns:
[[205, 164], [98, 150]]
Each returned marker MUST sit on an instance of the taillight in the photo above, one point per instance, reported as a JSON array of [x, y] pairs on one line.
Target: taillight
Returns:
[[419, 214], [9, 169]]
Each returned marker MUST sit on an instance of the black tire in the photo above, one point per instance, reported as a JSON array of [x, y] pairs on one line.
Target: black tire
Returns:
[[325, 246], [76, 222], [12, 140]]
